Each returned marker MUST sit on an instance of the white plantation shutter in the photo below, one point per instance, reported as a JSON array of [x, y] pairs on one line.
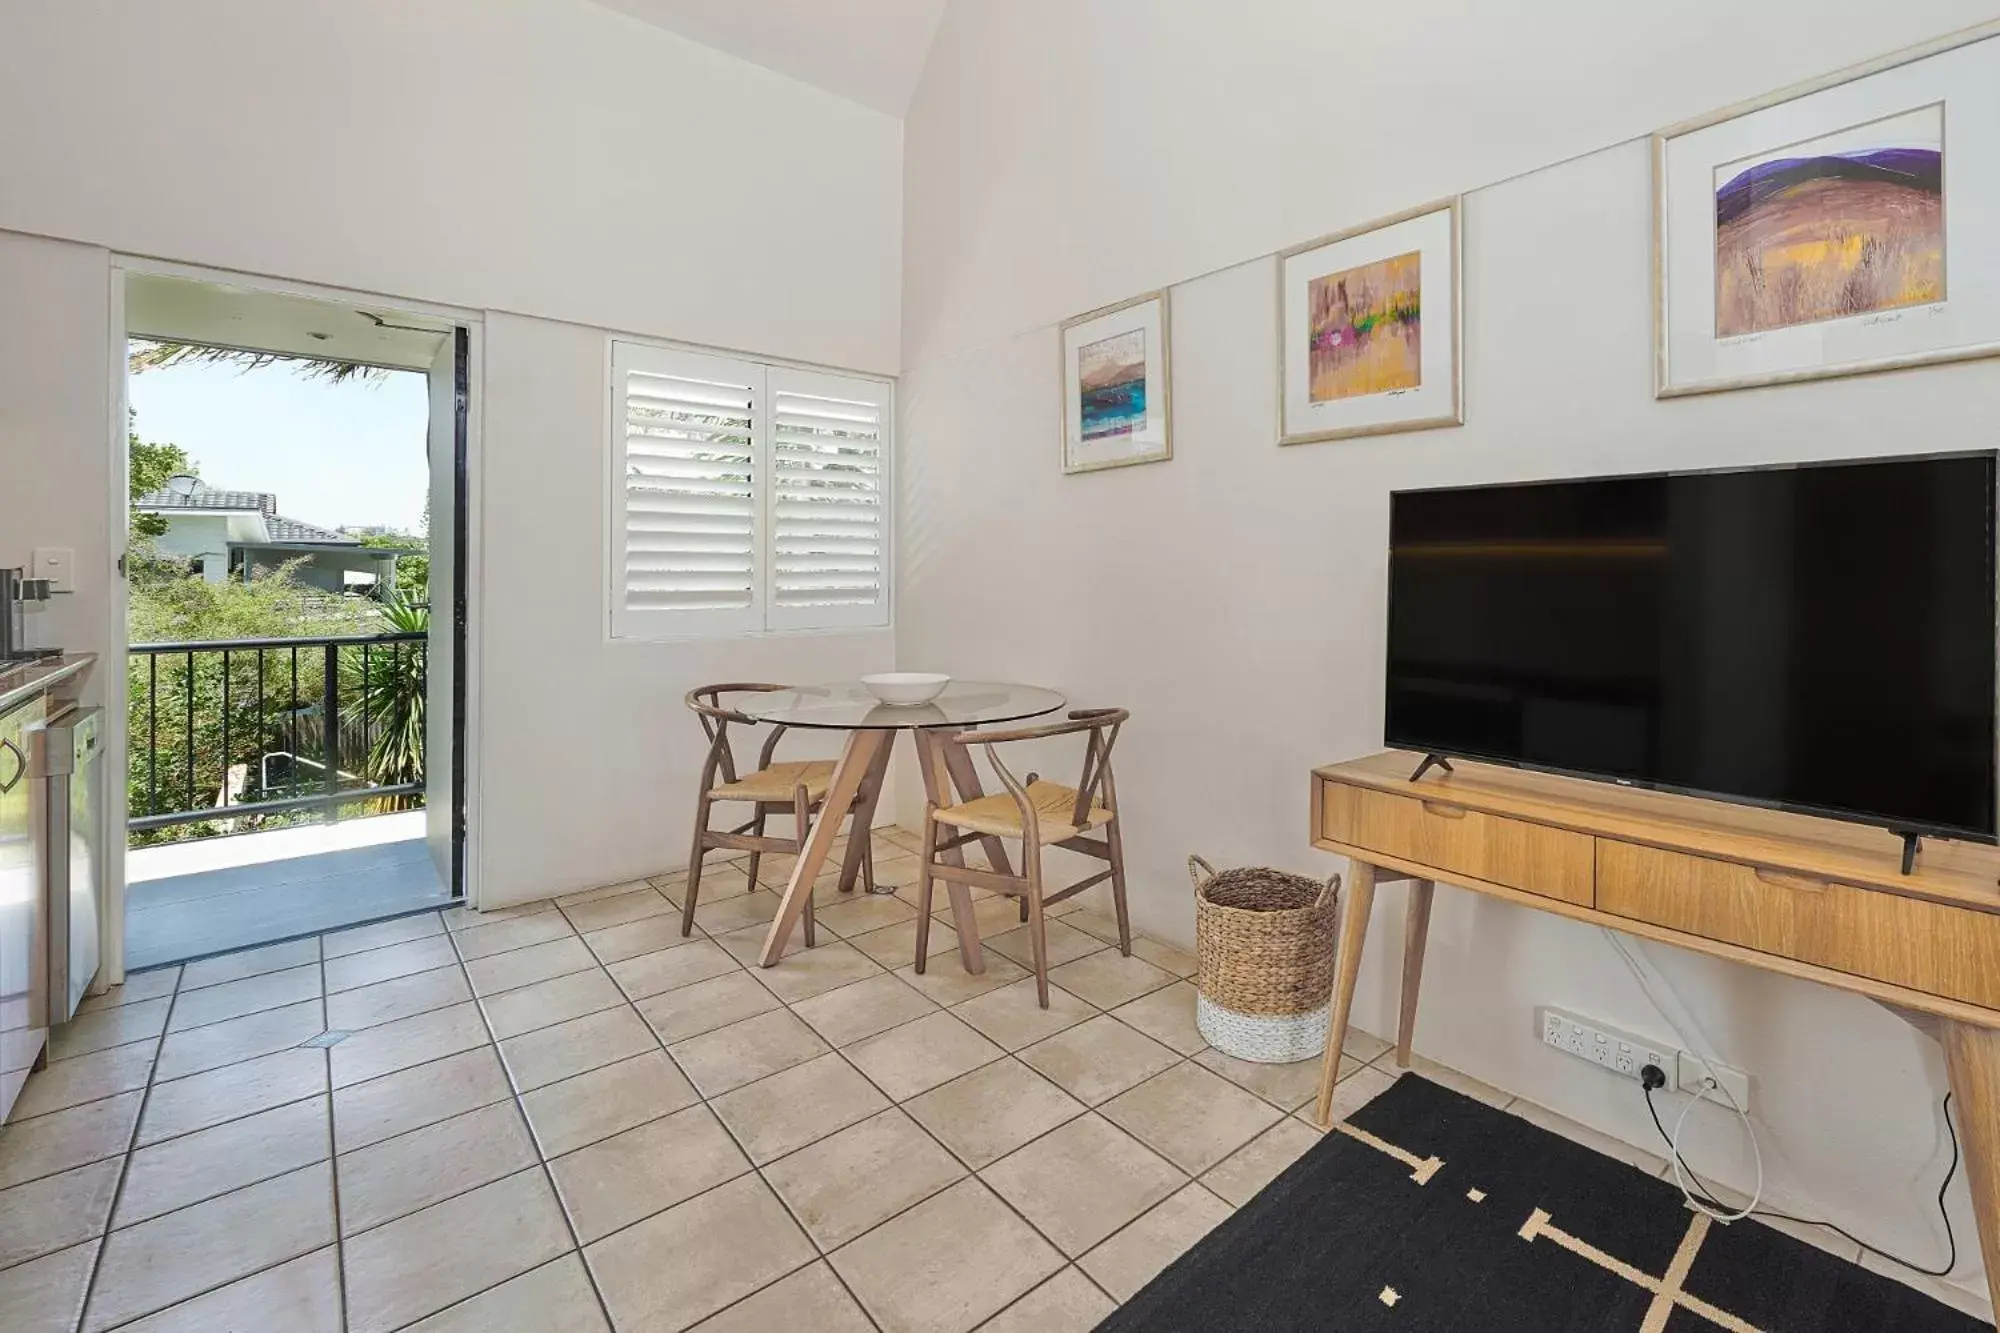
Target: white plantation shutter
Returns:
[[829, 513], [685, 433], [745, 496]]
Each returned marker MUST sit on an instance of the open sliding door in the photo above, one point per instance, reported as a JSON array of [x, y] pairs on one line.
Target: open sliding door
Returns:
[[444, 722]]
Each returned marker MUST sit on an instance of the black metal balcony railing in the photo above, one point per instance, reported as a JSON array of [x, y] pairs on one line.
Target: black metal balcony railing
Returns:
[[231, 729]]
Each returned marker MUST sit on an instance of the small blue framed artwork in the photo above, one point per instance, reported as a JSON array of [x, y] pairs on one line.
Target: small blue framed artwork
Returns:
[[1115, 393]]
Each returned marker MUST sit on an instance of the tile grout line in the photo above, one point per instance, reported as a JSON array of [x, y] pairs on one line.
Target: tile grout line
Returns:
[[541, 1156], [971, 1173], [327, 1092], [332, 1150], [125, 1164], [544, 1161], [974, 1173], [243, 1277], [756, 1169]]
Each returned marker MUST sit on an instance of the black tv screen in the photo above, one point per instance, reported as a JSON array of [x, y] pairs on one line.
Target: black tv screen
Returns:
[[1818, 638]]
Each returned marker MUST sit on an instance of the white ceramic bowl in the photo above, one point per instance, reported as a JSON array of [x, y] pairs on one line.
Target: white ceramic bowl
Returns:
[[902, 688]]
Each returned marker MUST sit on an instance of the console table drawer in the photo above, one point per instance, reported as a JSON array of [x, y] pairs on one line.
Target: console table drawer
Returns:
[[1553, 862], [1927, 946]]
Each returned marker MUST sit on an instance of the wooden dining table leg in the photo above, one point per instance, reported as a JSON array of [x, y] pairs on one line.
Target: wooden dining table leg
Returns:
[[1353, 934], [863, 825], [849, 775], [934, 758], [965, 777], [1416, 930]]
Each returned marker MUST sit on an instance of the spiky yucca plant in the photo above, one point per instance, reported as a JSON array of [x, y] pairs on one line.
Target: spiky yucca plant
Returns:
[[388, 693]]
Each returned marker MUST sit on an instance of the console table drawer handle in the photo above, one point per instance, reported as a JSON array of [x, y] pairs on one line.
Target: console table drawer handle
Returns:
[[1443, 811], [1781, 880]]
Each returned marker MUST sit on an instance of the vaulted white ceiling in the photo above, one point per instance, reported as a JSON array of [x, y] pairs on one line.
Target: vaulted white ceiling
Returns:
[[868, 51]]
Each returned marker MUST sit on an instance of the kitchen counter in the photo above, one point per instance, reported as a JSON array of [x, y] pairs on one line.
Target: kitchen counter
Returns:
[[21, 681]]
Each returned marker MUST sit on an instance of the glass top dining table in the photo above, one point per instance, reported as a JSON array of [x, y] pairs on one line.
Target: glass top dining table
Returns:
[[856, 784], [847, 705]]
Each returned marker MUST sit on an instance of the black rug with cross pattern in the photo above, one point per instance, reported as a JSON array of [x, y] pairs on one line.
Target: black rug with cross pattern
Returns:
[[1431, 1211]]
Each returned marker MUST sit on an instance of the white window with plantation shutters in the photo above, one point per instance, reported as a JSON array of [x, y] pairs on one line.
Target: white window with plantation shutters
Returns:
[[829, 514], [745, 496]]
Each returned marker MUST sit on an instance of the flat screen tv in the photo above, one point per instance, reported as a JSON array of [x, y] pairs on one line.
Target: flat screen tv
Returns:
[[1817, 638]]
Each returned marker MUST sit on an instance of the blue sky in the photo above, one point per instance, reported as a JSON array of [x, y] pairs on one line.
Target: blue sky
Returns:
[[333, 454]]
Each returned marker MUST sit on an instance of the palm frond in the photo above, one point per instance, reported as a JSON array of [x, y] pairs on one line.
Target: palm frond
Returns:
[[384, 731], [145, 356]]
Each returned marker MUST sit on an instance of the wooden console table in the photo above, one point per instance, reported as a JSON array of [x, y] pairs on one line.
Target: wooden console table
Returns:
[[1806, 897]]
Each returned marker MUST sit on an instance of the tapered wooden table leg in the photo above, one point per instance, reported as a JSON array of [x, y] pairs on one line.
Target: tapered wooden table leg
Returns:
[[864, 815], [848, 776], [965, 777], [1972, 1060], [1353, 934], [933, 757], [1416, 929]]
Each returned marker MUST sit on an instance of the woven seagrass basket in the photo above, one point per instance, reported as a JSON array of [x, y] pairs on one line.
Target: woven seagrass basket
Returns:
[[1264, 942]]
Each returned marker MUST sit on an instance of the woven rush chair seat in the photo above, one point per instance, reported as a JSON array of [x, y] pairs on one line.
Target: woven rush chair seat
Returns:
[[1040, 814], [795, 787], [1000, 814], [778, 782]]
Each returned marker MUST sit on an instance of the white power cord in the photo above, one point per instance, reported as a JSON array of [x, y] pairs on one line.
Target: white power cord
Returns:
[[1710, 1084]]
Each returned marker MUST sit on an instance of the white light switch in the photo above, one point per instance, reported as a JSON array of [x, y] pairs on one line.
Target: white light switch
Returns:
[[53, 563]]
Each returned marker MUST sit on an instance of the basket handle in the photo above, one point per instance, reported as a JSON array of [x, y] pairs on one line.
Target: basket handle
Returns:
[[1199, 871], [1329, 893]]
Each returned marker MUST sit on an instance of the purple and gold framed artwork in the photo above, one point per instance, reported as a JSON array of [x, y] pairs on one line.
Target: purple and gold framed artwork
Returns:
[[1368, 329], [1116, 399], [1833, 229]]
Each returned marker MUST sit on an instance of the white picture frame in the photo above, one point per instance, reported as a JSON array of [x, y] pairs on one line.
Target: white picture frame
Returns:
[[1771, 263], [1369, 329], [1125, 415]]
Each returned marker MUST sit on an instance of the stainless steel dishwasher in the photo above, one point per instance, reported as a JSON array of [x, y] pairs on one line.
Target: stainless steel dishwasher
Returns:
[[65, 765], [21, 1039]]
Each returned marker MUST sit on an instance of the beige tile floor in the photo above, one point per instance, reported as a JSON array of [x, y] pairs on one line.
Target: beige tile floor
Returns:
[[563, 1117]]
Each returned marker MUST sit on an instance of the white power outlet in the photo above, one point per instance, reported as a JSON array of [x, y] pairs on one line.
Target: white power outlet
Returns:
[[1694, 1073], [1620, 1052]]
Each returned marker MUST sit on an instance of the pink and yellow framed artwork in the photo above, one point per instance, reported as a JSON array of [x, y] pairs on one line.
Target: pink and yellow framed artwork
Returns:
[[1368, 329]]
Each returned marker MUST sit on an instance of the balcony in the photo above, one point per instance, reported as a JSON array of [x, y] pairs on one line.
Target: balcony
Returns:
[[275, 788]]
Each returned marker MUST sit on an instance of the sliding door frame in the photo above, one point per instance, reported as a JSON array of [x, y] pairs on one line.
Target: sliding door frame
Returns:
[[468, 587]]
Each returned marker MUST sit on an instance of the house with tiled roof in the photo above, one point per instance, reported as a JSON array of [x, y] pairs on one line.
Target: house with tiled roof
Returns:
[[241, 535]]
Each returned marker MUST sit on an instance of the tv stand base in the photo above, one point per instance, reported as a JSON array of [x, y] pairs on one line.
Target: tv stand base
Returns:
[[1912, 844], [1431, 761]]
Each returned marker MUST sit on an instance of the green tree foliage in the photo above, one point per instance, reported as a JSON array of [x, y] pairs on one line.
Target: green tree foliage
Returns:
[[384, 730], [413, 572], [249, 704], [151, 465], [169, 605]]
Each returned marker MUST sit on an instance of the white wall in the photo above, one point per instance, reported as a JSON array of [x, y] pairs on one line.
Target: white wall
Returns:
[[195, 536], [1063, 154], [1233, 597], [549, 158], [55, 423]]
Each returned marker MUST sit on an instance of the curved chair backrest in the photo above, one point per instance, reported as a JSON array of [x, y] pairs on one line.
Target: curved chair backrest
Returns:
[[715, 716], [1095, 787]]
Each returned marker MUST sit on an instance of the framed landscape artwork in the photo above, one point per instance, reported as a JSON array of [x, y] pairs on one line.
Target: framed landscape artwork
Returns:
[[1115, 394], [1368, 329], [1829, 230]]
